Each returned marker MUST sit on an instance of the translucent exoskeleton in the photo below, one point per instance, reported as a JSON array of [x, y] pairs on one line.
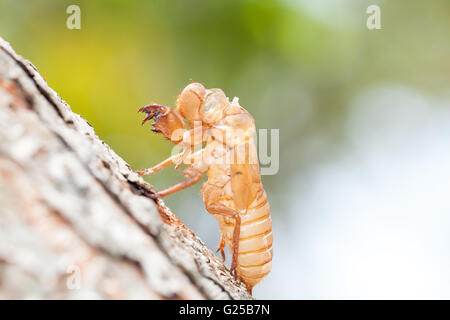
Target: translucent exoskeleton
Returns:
[[219, 140]]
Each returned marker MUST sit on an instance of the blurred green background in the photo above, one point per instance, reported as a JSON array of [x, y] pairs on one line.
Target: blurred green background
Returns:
[[295, 65]]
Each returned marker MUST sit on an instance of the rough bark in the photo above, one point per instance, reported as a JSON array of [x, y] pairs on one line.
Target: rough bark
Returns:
[[75, 220]]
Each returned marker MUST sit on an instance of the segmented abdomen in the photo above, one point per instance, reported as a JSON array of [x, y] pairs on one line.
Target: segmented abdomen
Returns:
[[255, 241]]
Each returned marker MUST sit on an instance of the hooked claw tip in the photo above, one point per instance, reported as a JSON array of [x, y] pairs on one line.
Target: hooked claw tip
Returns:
[[148, 117], [154, 196]]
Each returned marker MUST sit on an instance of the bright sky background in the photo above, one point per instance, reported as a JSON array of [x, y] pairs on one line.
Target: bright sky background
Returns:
[[374, 221]]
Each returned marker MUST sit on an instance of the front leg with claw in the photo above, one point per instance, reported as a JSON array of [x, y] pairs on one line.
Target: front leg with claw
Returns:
[[167, 121]]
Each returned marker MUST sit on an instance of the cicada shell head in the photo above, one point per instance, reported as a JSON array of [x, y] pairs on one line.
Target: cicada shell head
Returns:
[[190, 101]]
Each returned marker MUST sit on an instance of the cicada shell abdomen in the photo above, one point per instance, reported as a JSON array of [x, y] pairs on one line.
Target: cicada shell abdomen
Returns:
[[255, 241], [245, 194]]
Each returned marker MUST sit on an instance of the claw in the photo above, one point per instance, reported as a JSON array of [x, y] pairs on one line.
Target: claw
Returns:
[[222, 253], [220, 248], [153, 110], [154, 196], [234, 274], [153, 107], [148, 117], [167, 121], [144, 172]]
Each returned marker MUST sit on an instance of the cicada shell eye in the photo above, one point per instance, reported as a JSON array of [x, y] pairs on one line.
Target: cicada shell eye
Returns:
[[213, 106], [190, 100]]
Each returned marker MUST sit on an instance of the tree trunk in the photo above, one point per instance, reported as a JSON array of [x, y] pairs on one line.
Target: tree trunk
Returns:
[[75, 220]]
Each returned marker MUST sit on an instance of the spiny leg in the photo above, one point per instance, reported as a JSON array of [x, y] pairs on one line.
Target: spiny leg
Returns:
[[227, 212], [161, 165], [195, 176], [221, 246]]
